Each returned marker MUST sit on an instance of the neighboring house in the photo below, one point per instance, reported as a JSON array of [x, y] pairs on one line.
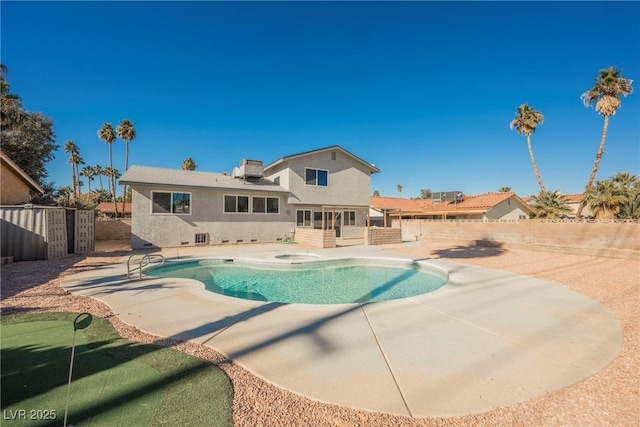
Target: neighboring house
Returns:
[[327, 188], [489, 206], [106, 209], [17, 186]]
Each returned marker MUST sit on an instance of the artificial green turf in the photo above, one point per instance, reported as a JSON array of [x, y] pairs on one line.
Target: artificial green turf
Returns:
[[115, 381]]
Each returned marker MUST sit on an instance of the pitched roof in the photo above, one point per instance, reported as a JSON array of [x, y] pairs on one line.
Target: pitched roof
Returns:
[[107, 207], [480, 203], [194, 179], [372, 167], [399, 204], [17, 170]]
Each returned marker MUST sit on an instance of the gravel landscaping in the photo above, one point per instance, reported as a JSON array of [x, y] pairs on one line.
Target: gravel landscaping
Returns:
[[610, 398]]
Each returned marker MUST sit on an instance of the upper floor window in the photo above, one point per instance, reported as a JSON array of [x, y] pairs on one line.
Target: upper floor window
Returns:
[[238, 204], [171, 203], [317, 177]]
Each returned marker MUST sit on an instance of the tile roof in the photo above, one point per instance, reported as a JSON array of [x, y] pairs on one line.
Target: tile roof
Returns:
[[107, 207], [471, 204], [182, 178], [400, 204]]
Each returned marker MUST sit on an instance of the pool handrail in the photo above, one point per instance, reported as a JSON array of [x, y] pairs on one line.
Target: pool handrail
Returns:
[[143, 262]]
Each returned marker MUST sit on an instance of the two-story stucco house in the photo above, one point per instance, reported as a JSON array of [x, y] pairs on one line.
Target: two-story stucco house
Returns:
[[326, 189]]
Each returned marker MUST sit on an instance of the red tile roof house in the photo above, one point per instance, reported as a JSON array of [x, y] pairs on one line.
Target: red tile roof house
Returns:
[[107, 209], [489, 206]]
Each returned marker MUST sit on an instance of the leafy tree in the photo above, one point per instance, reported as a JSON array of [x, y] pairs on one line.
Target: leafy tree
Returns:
[[27, 138], [425, 193], [549, 205], [505, 190], [525, 123], [376, 193], [188, 164], [108, 135], [127, 133], [606, 93]]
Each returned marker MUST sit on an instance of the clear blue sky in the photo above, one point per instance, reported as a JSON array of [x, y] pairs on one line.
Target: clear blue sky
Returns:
[[424, 90]]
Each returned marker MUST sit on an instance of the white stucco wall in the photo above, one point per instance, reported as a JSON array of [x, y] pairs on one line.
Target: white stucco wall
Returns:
[[207, 216]]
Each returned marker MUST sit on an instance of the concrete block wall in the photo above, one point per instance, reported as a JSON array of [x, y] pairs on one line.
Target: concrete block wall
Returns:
[[316, 238], [382, 236], [601, 238], [113, 229]]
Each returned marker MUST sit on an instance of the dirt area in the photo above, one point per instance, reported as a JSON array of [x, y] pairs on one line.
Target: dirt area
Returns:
[[610, 398]]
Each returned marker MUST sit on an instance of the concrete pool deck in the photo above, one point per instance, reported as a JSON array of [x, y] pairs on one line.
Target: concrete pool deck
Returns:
[[486, 339]]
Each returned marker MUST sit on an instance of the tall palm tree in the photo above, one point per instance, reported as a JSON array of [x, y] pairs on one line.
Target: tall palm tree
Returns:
[[610, 85], [76, 160], [99, 172], [525, 123], [604, 199], [127, 133], [71, 148], [108, 135], [188, 164], [399, 188], [505, 189], [549, 205], [88, 172]]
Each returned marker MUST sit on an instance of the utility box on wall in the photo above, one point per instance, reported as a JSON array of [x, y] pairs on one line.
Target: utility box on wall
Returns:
[[32, 233]]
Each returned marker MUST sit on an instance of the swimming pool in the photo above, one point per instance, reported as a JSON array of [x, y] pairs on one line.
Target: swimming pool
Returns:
[[318, 282]]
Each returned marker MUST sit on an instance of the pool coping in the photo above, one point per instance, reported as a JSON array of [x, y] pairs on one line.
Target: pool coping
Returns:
[[465, 348]]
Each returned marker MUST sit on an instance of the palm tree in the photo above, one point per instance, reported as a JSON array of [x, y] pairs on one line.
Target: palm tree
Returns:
[[505, 190], [76, 160], [188, 164], [99, 172], [549, 205], [64, 193], [425, 193], [604, 199], [127, 133], [376, 193], [610, 85], [88, 172], [71, 148], [525, 123], [399, 188], [108, 135]]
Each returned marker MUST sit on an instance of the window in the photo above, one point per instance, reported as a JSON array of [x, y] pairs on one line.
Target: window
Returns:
[[317, 177], [303, 218], [175, 203], [265, 205], [238, 204], [349, 218]]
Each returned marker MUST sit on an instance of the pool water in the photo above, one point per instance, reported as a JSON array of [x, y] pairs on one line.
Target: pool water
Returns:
[[335, 282]]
